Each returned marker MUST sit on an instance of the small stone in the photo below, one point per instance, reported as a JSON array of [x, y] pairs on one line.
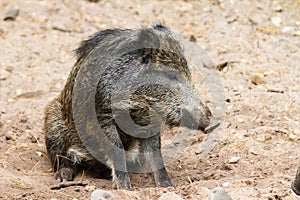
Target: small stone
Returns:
[[254, 174], [170, 196], [33, 139], [296, 33], [268, 137], [234, 160], [27, 131], [4, 74], [226, 184], [11, 14], [286, 118], [199, 151], [219, 194], [277, 8], [101, 195], [207, 9], [18, 91], [296, 131], [90, 188], [276, 21], [39, 153], [288, 29], [257, 79], [11, 100], [10, 136], [263, 138], [240, 120], [185, 7], [293, 137], [254, 152]]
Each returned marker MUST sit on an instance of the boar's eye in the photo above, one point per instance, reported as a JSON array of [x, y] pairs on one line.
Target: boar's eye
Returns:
[[172, 75]]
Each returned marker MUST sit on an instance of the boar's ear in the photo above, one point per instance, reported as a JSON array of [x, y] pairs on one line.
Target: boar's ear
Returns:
[[147, 38], [162, 28]]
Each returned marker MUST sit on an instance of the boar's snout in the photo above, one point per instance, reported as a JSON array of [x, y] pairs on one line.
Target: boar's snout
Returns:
[[199, 118]]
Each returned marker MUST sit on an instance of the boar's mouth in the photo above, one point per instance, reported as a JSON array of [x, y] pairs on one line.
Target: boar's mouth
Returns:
[[212, 126], [192, 120]]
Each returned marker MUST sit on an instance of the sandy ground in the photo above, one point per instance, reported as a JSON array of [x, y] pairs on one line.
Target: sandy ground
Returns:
[[260, 40]]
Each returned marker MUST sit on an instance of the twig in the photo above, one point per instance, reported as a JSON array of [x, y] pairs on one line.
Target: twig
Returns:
[[275, 91], [67, 184], [223, 65], [56, 28]]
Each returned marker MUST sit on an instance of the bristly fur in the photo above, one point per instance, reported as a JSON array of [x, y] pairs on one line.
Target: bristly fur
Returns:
[[149, 45]]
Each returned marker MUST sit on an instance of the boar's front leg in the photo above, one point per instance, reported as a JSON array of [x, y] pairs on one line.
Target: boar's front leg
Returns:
[[152, 150], [116, 159]]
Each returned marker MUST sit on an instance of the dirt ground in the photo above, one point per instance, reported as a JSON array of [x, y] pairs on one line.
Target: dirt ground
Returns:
[[256, 156]]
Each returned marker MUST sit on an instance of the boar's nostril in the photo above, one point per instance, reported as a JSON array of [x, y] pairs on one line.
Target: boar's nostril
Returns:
[[212, 126]]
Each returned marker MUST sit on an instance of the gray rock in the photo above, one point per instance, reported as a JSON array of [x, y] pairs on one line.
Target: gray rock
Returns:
[[101, 195], [219, 194]]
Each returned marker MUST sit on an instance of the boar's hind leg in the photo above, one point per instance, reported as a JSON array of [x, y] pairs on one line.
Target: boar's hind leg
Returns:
[[65, 168], [152, 150], [55, 131]]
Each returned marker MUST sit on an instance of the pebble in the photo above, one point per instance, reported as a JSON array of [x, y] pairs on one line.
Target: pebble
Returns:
[[18, 91], [226, 184], [296, 33], [90, 188], [234, 160], [257, 79], [33, 139], [39, 153], [170, 196], [101, 195], [293, 137], [10, 136], [277, 8], [276, 21], [185, 7], [4, 74], [240, 120], [11, 14], [207, 9], [288, 29], [219, 194], [263, 138], [11, 100]]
